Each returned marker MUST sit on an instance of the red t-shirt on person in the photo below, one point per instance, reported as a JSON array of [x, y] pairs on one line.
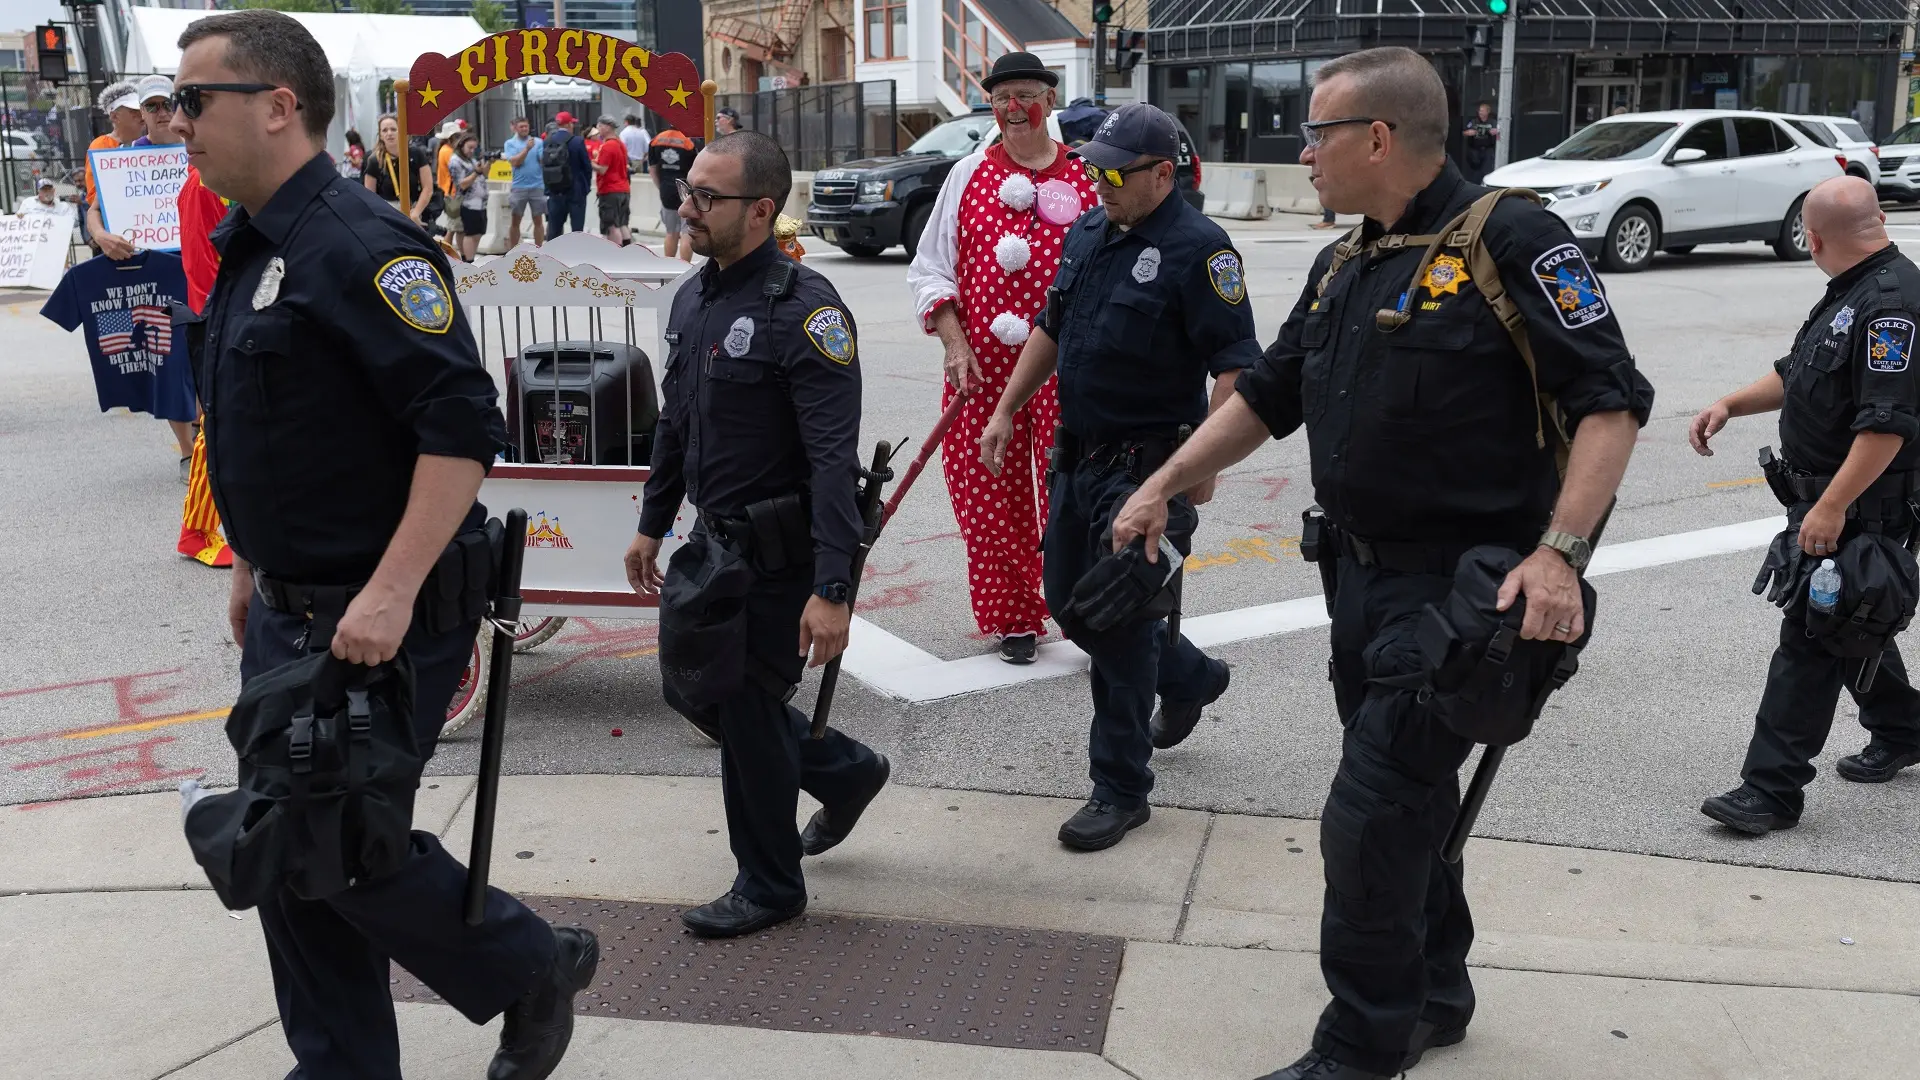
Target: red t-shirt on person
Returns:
[[200, 211], [612, 154]]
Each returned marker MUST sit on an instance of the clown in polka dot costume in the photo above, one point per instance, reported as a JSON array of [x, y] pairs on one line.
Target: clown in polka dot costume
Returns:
[[980, 278]]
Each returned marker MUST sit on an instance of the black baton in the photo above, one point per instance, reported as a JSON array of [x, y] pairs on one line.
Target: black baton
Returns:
[[871, 519], [493, 733]]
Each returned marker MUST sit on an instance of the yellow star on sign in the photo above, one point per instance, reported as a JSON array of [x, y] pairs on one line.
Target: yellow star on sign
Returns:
[[429, 96], [679, 93]]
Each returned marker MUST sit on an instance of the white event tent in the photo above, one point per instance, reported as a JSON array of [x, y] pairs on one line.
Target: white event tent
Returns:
[[363, 50]]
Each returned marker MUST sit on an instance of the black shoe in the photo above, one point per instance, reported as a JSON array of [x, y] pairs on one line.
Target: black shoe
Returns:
[[1175, 720], [1318, 1066], [1019, 648], [733, 915], [540, 1024], [1746, 810], [1100, 825], [1426, 1036], [828, 829], [1876, 764]]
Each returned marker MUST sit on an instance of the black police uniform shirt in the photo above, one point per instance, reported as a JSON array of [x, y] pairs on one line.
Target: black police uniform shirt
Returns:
[[331, 356], [754, 411], [1428, 432], [1852, 369], [1141, 315]]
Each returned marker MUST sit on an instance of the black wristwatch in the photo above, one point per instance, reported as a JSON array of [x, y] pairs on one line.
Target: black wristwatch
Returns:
[[834, 592]]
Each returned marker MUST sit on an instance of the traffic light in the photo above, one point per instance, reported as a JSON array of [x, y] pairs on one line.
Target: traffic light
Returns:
[[1103, 12], [1499, 8], [1477, 52], [1128, 47], [51, 42]]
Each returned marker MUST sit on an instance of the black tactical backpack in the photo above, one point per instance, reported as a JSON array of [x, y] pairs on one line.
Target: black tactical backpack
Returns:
[[556, 168], [328, 769]]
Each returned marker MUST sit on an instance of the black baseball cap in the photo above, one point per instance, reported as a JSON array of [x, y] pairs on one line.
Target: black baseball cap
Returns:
[[1129, 132]]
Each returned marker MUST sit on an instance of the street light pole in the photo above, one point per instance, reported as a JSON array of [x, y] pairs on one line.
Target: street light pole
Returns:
[[1503, 146]]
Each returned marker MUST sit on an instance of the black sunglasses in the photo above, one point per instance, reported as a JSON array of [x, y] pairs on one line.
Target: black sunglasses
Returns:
[[187, 98], [703, 199]]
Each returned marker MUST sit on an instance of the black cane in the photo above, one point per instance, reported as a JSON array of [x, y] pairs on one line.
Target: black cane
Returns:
[[493, 733], [871, 519]]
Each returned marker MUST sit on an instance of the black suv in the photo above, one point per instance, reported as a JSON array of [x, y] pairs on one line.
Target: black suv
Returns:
[[865, 207]]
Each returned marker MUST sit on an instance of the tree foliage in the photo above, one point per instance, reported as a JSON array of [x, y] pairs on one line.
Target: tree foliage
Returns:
[[492, 16]]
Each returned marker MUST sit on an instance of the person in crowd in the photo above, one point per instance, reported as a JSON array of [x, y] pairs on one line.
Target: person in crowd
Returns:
[[156, 108], [469, 183], [566, 170], [612, 183], [670, 160], [528, 193], [1481, 136], [353, 159], [634, 137], [383, 174], [121, 102]]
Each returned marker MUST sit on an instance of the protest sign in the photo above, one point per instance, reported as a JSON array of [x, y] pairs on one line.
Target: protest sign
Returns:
[[33, 247], [139, 193]]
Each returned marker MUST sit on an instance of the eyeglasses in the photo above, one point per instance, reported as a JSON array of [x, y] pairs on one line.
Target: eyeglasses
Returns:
[[1024, 97], [1116, 177], [187, 98], [703, 199], [160, 105], [1312, 130]]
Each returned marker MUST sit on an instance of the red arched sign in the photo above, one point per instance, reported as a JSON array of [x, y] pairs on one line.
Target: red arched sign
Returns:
[[667, 83]]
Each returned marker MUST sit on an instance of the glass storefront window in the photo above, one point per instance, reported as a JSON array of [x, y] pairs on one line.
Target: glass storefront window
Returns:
[[1279, 105], [1236, 107]]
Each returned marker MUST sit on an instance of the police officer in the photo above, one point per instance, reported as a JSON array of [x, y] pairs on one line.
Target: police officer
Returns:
[[1150, 299], [1425, 441], [349, 422], [1847, 395], [759, 430]]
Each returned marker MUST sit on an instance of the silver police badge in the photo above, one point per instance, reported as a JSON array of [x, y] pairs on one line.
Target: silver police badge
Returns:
[[1842, 320], [739, 337], [1147, 266], [265, 293]]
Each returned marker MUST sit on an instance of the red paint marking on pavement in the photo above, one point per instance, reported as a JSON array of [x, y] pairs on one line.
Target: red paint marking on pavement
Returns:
[[1275, 485], [897, 596], [935, 536], [142, 768], [84, 682], [602, 643], [870, 571], [130, 703]]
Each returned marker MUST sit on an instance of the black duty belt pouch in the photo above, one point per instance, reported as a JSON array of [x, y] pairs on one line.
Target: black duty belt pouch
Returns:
[[458, 588], [1879, 588], [782, 531], [703, 621], [1478, 676], [328, 769]]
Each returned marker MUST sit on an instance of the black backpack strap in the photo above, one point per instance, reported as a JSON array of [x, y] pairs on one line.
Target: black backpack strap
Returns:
[[781, 277]]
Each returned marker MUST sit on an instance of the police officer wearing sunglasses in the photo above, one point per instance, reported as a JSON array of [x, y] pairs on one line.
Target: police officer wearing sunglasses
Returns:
[[349, 423], [1150, 300]]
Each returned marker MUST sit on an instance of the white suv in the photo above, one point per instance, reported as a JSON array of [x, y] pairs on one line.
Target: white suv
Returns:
[[1632, 185], [1900, 164]]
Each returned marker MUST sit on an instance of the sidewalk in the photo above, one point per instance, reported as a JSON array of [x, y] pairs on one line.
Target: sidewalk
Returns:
[[1589, 964]]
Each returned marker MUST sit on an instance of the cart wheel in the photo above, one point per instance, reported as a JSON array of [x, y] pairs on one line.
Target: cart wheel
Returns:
[[529, 634], [470, 697]]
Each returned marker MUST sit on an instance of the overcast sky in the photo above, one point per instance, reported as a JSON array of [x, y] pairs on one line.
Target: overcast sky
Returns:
[[27, 14]]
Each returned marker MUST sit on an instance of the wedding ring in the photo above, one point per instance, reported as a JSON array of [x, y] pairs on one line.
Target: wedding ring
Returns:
[[1562, 628]]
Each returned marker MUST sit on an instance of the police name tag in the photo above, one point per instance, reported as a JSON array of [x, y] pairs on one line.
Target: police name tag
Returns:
[[1570, 285], [1889, 343], [411, 286], [828, 330]]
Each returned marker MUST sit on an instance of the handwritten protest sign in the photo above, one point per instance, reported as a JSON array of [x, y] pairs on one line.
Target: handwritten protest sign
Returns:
[[139, 192], [33, 247]]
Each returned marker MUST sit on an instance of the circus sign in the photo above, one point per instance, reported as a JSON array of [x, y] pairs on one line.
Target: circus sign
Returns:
[[667, 83]]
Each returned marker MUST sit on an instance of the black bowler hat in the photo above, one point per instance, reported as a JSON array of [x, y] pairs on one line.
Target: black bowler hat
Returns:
[[1018, 65], [1129, 132]]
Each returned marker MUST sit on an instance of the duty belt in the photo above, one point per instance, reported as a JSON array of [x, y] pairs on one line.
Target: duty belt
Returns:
[[1407, 557], [773, 533], [292, 598], [1796, 486], [1142, 454]]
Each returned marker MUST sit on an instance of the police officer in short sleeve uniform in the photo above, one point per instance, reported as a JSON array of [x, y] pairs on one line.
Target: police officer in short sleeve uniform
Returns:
[[759, 431], [334, 366], [1425, 442], [1137, 319], [1850, 373]]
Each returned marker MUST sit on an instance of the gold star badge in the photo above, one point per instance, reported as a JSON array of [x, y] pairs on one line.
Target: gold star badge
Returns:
[[679, 93], [1445, 275], [429, 97]]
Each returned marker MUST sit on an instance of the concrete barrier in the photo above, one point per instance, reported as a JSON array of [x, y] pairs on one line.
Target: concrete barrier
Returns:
[[1235, 191], [1289, 190]]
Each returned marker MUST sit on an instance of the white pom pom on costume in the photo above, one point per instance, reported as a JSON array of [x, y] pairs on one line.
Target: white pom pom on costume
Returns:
[[1017, 192], [1011, 329], [1012, 253]]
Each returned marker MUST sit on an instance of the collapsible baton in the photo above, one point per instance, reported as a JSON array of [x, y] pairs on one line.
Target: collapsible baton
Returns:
[[1475, 796], [505, 613], [871, 520]]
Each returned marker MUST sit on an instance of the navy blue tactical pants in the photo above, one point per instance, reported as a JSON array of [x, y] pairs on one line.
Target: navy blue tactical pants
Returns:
[[330, 957], [1394, 926], [1132, 662], [767, 754]]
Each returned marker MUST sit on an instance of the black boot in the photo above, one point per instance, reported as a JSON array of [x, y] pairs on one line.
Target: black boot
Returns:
[[1876, 764], [1426, 1036], [733, 915], [830, 825], [1175, 719], [1318, 1066], [1746, 810], [1100, 825], [540, 1024]]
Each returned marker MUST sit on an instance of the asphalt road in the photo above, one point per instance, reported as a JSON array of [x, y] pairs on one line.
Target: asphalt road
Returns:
[[115, 663]]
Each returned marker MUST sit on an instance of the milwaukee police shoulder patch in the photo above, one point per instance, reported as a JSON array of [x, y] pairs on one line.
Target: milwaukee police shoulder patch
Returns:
[[1570, 286], [828, 330], [1223, 267], [1889, 343], [413, 288]]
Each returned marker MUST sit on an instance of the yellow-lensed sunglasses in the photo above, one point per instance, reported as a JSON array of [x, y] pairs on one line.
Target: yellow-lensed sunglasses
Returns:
[[1115, 177]]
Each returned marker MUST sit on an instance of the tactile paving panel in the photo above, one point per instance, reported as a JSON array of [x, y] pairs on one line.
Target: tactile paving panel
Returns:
[[991, 986]]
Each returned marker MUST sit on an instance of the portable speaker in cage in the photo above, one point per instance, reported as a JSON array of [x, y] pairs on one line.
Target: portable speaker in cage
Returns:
[[581, 403]]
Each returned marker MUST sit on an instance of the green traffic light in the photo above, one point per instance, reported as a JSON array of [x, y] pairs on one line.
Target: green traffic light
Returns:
[[1498, 7]]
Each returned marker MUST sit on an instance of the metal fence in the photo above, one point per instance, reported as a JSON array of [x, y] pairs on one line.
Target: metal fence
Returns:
[[824, 125], [44, 131]]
